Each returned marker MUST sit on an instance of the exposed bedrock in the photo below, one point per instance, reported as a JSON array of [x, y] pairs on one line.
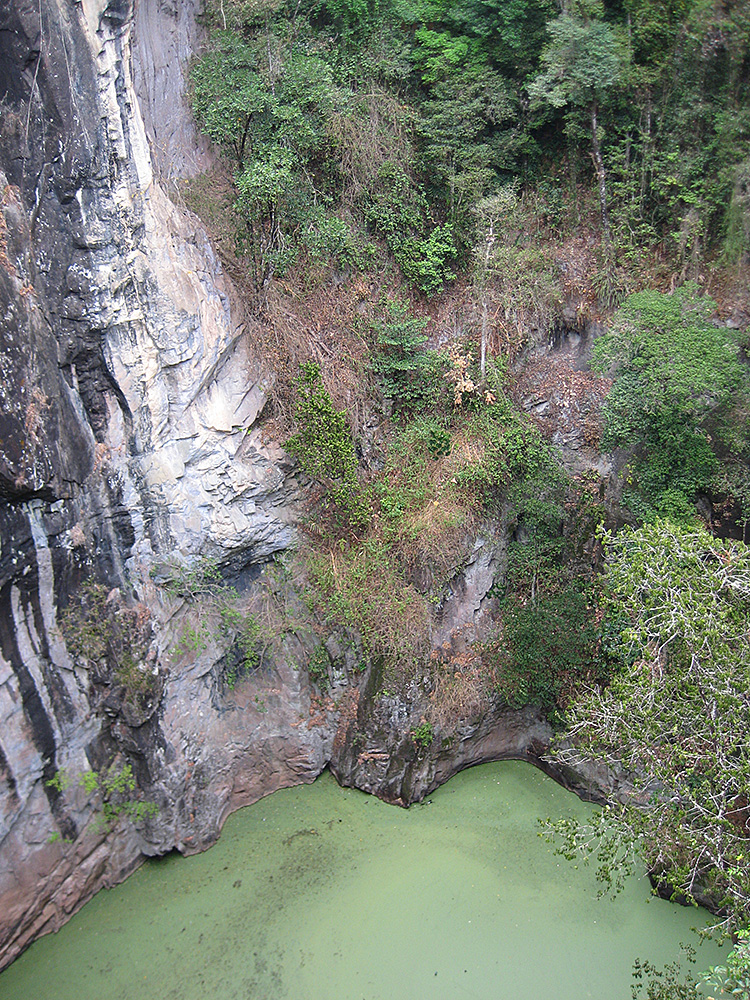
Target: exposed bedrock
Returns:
[[129, 408], [130, 441]]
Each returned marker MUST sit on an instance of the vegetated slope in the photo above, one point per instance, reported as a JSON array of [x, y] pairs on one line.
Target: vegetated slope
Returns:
[[354, 129], [419, 195]]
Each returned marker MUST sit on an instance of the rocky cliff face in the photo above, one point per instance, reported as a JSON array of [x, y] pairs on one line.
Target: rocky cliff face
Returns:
[[131, 405], [128, 432]]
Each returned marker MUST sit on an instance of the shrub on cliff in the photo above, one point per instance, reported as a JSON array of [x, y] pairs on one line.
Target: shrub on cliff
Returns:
[[324, 447], [676, 379]]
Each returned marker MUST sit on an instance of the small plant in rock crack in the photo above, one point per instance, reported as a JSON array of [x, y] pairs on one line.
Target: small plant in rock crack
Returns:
[[118, 789], [57, 838], [198, 580], [59, 781], [116, 785], [111, 635], [224, 620], [245, 656], [422, 737], [193, 640]]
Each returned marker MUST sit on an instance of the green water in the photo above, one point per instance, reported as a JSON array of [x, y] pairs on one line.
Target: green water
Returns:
[[323, 893]]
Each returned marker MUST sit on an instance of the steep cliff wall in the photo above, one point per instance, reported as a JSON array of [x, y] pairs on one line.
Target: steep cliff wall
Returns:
[[131, 404], [128, 433]]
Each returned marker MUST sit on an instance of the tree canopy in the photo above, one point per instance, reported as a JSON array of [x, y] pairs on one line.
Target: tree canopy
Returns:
[[676, 378], [676, 715], [485, 92]]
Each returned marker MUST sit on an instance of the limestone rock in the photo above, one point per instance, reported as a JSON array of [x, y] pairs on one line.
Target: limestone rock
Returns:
[[129, 414]]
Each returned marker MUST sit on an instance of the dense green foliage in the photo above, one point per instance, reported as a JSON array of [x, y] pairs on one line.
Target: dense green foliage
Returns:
[[405, 370], [319, 666], [324, 443], [733, 979], [547, 648], [677, 378], [675, 714], [422, 736], [669, 983], [397, 119]]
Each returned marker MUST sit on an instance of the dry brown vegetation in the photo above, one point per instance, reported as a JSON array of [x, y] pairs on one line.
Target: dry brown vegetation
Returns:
[[562, 399], [381, 130], [311, 314], [464, 688]]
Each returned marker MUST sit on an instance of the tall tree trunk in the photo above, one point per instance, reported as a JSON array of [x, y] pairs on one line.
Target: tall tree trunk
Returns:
[[646, 155], [489, 244], [271, 75], [483, 354], [600, 173]]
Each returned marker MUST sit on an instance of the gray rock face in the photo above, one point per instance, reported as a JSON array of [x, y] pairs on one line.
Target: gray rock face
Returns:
[[377, 753], [165, 37], [129, 407]]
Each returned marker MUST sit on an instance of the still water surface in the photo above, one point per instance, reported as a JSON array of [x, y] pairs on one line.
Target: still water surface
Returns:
[[323, 893]]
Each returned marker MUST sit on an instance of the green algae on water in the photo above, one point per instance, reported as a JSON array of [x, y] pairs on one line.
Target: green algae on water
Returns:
[[324, 893]]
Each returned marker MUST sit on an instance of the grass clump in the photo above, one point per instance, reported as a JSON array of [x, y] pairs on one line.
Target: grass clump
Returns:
[[362, 588], [443, 474], [110, 638], [224, 618]]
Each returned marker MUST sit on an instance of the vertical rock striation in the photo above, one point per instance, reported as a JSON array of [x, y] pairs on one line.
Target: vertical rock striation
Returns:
[[129, 404]]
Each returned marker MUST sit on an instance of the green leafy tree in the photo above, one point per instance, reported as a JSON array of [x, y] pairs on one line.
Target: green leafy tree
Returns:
[[676, 377], [513, 31], [675, 716], [668, 983], [263, 187], [440, 55], [231, 100], [456, 128], [275, 125], [585, 60], [733, 979], [457, 34], [678, 168], [402, 364], [346, 14]]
